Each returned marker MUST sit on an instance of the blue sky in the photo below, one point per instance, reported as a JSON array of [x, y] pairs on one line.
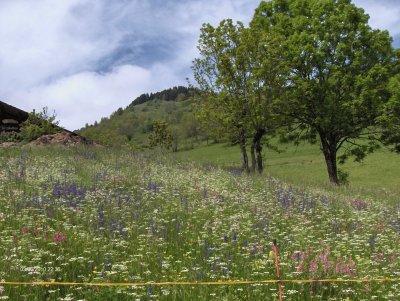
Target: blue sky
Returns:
[[86, 58]]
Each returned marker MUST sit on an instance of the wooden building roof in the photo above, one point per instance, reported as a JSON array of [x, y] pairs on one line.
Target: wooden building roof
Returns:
[[8, 112]]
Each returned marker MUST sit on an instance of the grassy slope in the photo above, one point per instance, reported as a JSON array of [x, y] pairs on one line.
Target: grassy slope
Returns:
[[302, 165], [305, 164], [134, 122]]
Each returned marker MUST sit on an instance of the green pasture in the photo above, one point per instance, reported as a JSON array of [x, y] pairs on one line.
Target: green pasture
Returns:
[[305, 165]]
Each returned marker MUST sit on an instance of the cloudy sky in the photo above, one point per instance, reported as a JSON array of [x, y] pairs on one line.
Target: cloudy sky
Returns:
[[84, 59]]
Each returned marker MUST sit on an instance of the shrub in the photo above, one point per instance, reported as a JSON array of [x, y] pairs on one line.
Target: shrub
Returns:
[[39, 124], [10, 137]]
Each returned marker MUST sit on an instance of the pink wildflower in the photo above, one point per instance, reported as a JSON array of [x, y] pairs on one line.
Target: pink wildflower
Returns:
[[59, 237], [352, 264], [313, 266]]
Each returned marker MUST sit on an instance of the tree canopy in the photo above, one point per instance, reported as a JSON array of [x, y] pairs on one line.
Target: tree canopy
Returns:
[[323, 72], [221, 73], [240, 69], [390, 119], [339, 73], [161, 135]]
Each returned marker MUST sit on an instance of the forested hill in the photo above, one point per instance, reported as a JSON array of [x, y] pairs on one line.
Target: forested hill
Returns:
[[178, 93], [134, 124]]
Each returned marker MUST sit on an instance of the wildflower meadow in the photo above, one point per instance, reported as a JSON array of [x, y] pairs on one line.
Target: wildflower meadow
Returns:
[[85, 215]]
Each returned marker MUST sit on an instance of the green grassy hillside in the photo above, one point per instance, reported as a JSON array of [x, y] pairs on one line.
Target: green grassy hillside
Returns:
[[133, 125], [303, 164]]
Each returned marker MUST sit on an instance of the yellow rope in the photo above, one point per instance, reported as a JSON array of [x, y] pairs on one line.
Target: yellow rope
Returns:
[[231, 282]]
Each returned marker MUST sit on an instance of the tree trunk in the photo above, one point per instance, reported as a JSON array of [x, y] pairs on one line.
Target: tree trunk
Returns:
[[253, 157], [256, 145], [260, 166], [329, 150], [245, 159]]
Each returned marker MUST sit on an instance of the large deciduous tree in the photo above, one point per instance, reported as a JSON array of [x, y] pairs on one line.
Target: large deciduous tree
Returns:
[[239, 68], [390, 119], [339, 73], [267, 69], [221, 73]]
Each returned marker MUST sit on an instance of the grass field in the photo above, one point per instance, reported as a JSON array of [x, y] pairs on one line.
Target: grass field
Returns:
[[91, 215], [304, 165]]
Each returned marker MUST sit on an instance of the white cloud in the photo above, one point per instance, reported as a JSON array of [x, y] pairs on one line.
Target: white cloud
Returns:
[[54, 47], [85, 97], [38, 44], [86, 58], [384, 15]]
